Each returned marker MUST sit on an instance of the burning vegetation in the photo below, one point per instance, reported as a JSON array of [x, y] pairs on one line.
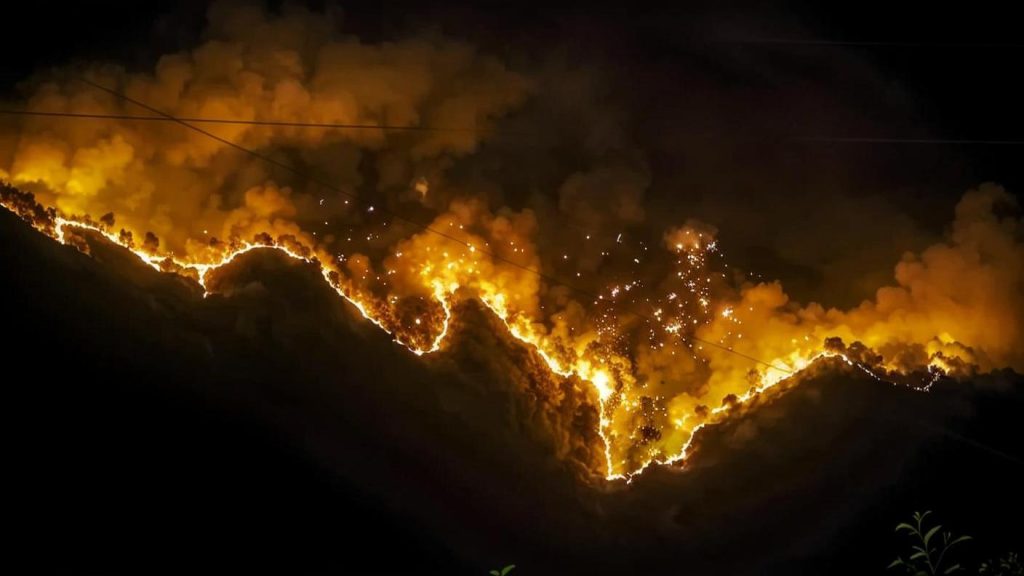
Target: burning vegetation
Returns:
[[668, 337]]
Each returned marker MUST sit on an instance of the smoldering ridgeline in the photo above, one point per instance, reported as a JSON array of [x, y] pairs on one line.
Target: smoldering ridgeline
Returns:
[[271, 428]]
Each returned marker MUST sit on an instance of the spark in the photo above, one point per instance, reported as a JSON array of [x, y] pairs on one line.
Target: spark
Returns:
[[598, 357]]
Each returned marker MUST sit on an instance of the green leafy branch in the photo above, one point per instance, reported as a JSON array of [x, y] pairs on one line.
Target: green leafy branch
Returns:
[[1008, 565], [928, 556], [503, 571]]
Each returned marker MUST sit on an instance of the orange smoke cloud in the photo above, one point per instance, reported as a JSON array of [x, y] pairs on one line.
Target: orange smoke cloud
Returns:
[[176, 183]]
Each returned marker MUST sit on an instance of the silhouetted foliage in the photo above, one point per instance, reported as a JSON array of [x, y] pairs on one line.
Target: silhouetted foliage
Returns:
[[928, 556]]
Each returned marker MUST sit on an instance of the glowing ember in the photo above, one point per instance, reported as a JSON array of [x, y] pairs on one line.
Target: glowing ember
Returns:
[[600, 380], [667, 340], [685, 337]]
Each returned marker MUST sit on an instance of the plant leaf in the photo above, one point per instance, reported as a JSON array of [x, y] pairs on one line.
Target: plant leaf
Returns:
[[952, 569], [917, 555], [960, 539], [931, 533], [904, 526], [507, 569], [494, 573], [920, 519], [895, 563]]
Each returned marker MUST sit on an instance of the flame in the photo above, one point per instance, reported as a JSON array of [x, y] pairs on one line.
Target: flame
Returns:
[[439, 275], [668, 342], [199, 271], [698, 347]]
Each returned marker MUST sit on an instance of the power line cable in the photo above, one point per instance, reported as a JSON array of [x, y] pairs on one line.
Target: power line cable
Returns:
[[279, 123], [423, 227], [937, 141], [412, 128], [865, 43]]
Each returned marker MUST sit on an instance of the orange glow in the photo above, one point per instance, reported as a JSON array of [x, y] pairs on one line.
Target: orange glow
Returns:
[[734, 345], [661, 336]]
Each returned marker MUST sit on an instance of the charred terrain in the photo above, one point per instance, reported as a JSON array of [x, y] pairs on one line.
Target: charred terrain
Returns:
[[270, 427]]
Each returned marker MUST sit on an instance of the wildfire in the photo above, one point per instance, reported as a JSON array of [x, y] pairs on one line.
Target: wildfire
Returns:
[[638, 425], [668, 338]]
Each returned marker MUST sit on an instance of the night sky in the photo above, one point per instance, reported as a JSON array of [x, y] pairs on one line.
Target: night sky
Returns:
[[267, 428]]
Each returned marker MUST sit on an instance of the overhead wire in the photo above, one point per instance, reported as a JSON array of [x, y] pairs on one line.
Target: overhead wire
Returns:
[[190, 124]]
